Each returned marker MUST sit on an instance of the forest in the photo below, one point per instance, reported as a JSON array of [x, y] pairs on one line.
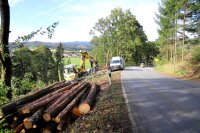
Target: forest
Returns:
[[179, 36]]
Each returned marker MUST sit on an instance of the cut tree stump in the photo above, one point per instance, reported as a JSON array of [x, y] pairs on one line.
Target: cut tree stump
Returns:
[[86, 106], [62, 115]]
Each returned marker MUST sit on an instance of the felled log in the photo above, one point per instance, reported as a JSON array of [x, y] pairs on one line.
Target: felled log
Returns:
[[31, 108], [18, 128], [29, 122], [17, 121], [86, 106], [11, 107], [75, 113], [23, 131], [50, 128], [52, 112], [57, 88], [63, 114], [63, 124], [60, 99]]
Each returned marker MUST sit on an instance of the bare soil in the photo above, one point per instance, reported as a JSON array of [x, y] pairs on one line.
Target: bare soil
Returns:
[[110, 113]]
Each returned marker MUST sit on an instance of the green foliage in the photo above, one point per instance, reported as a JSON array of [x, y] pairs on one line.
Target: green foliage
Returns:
[[2, 89], [119, 35], [59, 61], [178, 25], [22, 86], [22, 62], [196, 55], [76, 61], [3, 92], [68, 61], [49, 31], [43, 65]]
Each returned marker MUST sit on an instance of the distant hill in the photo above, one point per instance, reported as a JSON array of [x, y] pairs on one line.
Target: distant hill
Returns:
[[67, 45]]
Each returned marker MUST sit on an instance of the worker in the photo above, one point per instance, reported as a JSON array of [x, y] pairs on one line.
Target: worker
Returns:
[[109, 73], [91, 63]]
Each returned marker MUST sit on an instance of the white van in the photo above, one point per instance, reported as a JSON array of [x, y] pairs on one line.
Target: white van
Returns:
[[117, 63]]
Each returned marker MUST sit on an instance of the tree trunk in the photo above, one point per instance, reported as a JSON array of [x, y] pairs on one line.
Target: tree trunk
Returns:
[[52, 112], [6, 72], [58, 89], [18, 121], [29, 122], [50, 128], [89, 101], [62, 115], [183, 37], [59, 75], [32, 107], [63, 124], [12, 106], [18, 128]]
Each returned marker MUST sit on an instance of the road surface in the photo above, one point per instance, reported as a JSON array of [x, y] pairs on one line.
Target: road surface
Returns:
[[160, 104]]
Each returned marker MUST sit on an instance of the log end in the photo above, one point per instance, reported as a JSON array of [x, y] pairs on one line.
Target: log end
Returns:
[[18, 128], [84, 108], [75, 112], [1, 114], [23, 131], [57, 120], [34, 126], [27, 124], [59, 127], [25, 110], [46, 117], [46, 131]]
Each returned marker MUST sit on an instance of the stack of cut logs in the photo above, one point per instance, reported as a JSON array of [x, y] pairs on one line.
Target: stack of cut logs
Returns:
[[50, 109]]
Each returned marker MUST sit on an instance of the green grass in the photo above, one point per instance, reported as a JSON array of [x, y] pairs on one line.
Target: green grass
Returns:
[[76, 61]]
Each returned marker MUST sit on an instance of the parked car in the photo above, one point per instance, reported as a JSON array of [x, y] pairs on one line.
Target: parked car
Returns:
[[117, 63]]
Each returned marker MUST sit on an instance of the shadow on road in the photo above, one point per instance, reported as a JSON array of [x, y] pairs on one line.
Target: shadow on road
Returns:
[[163, 105]]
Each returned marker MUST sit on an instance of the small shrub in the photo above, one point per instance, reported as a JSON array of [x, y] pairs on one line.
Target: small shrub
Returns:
[[196, 55], [3, 90], [22, 86]]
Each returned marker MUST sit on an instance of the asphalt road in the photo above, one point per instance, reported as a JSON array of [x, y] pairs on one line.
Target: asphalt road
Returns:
[[160, 104]]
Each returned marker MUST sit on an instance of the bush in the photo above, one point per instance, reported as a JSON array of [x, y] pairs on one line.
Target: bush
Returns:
[[22, 86], [3, 91], [196, 55]]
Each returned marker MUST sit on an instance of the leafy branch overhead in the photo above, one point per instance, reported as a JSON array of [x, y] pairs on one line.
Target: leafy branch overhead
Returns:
[[49, 31]]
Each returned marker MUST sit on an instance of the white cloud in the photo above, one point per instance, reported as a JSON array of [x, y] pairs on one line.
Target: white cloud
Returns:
[[13, 3], [49, 11]]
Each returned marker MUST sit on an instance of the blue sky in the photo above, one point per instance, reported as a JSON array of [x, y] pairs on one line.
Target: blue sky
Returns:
[[76, 17]]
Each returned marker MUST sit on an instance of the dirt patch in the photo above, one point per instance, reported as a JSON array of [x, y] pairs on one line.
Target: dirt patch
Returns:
[[110, 113]]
